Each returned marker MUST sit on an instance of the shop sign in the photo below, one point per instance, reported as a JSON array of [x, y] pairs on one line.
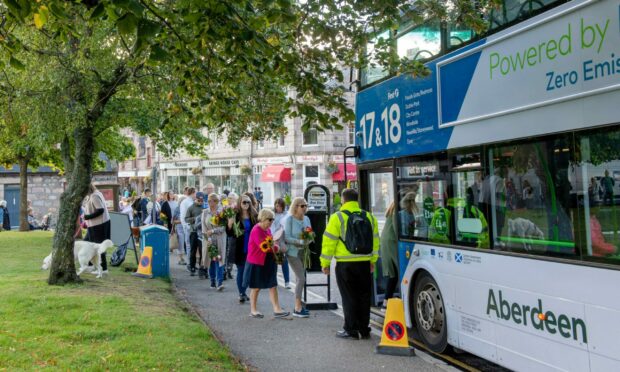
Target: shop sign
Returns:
[[180, 165], [305, 159], [274, 160], [224, 163]]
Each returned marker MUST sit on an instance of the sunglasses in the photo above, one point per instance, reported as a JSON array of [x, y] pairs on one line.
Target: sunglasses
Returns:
[[245, 202]]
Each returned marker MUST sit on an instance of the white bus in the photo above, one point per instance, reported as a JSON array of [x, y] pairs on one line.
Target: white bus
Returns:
[[504, 169]]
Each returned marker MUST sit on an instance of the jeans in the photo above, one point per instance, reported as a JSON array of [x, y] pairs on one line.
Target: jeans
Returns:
[[215, 270], [240, 286], [187, 242], [285, 270], [181, 238]]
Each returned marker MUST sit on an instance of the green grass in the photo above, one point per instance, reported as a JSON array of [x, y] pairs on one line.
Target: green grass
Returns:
[[118, 323]]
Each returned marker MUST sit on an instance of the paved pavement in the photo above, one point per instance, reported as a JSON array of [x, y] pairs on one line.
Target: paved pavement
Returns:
[[291, 344]]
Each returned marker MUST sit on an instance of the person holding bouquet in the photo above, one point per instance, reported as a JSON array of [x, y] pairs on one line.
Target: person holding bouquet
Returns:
[[214, 232], [298, 236], [261, 269], [239, 230]]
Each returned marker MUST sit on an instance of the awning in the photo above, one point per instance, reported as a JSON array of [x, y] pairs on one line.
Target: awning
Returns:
[[351, 172], [276, 173]]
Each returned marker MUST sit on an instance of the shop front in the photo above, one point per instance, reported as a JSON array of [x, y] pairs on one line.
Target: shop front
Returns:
[[226, 174], [273, 176], [176, 175]]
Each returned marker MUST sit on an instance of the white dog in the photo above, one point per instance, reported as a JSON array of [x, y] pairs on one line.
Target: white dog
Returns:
[[85, 252], [523, 228]]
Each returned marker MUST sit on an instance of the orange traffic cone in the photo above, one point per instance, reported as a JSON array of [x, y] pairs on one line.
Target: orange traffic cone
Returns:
[[394, 340], [145, 269]]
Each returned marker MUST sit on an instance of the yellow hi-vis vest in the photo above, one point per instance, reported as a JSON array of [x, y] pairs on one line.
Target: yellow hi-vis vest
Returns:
[[333, 247]]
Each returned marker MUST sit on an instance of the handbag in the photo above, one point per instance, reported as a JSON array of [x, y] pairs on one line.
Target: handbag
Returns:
[[173, 242]]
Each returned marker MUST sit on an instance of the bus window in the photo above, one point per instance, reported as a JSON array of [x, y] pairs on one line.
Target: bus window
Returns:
[[422, 201], [527, 196], [515, 10], [472, 228], [458, 34], [598, 179], [373, 71], [422, 42]]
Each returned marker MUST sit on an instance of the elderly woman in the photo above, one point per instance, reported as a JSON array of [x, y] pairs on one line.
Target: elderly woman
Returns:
[[214, 234], [5, 222], [178, 230], [293, 227], [261, 268]]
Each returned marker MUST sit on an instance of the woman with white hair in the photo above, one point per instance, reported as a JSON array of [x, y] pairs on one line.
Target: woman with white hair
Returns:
[[5, 223], [180, 233], [261, 268], [213, 234]]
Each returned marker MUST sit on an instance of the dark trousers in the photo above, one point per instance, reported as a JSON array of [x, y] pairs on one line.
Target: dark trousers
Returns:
[[354, 282], [97, 234], [194, 245]]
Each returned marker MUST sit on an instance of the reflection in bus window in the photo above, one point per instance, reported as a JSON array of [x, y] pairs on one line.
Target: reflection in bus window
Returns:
[[527, 196], [421, 193], [598, 177], [513, 10], [422, 42], [471, 224]]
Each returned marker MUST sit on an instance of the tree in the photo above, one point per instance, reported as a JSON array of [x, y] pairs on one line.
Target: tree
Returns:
[[196, 65]]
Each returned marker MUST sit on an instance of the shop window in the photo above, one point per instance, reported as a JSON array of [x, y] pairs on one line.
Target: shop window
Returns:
[[311, 171]]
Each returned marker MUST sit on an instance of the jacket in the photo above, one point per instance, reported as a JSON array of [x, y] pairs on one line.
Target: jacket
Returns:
[[218, 237], [333, 247], [96, 209], [389, 247], [255, 255], [191, 218], [240, 254]]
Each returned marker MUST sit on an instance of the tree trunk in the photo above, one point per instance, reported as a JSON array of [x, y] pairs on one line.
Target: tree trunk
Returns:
[[23, 195], [63, 264]]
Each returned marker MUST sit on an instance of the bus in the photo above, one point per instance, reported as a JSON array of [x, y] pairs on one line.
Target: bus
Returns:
[[501, 171]]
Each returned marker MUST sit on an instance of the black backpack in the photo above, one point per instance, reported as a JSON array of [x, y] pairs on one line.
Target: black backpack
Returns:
[[359, 234]]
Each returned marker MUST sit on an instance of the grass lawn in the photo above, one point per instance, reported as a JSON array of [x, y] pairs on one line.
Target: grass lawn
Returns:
[[118, 323]]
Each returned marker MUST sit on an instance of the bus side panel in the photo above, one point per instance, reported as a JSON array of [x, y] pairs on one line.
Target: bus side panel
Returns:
[[475, 333], [603, 337], [522, 352]]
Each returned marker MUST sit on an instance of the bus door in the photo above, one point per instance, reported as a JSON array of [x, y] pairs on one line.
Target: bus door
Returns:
[[377, 194]]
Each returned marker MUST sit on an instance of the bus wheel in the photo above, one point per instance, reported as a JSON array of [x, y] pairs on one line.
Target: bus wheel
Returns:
[[430, 317]]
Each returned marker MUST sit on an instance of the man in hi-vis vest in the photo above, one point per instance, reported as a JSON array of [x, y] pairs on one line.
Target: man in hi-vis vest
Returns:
[[352, 238]]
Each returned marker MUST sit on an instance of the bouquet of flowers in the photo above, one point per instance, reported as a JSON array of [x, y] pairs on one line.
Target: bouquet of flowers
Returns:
[[278, 255], [229, 212], [214, 253], [307, 235], [267, 244], [163, 218]]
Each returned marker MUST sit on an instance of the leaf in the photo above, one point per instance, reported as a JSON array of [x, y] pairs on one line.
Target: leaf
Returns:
[[127, 24], [148, 29], [41, 18], [132, 6], [158, 54], [98, 11], [16, 64], [14, 8]]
